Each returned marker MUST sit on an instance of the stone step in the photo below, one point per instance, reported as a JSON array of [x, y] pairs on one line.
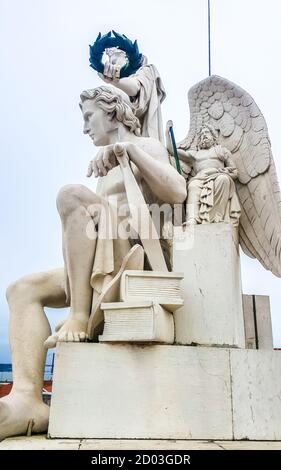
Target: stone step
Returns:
[[40, 442]]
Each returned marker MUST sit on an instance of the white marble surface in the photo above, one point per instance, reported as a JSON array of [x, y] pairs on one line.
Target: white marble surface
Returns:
[[125, 391], [160, 287], [41, 443], [212, 313], [256, 389], [249, 322], [138, 321], [264, 326], [104, 391], [257, 321]]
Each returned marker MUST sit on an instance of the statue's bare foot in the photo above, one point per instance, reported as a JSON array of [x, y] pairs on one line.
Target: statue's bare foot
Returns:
[[17, 411], [60, 324], [74, 329]]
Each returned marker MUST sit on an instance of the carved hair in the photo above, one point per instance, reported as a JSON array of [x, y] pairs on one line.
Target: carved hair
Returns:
[[114, 102], [212, 131]]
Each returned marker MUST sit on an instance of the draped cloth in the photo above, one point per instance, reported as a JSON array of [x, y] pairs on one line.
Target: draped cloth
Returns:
[[109, 249], [147, 103], [216, 193]]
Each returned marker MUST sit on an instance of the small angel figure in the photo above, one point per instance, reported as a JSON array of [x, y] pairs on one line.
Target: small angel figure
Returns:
[[211, 190]]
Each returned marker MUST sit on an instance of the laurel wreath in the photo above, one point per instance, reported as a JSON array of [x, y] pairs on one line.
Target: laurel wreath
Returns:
[[134, 57]]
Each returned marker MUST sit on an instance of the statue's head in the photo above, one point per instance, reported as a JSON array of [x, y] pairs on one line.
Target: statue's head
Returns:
[[207, 136], [104, 110]]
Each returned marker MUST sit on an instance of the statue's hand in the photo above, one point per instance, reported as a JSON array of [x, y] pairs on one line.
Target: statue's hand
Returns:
[[230, 170], [106, 158], [104, 161], [121, 149], [111, 73]]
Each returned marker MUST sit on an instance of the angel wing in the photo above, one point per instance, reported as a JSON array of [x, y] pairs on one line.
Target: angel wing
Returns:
[[242, 129]]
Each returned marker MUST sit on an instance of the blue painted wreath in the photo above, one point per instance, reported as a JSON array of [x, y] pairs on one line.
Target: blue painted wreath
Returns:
[[134, 57]]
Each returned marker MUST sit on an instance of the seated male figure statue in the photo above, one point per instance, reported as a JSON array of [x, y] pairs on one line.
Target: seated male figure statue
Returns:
[[211, 189], [110, 122]]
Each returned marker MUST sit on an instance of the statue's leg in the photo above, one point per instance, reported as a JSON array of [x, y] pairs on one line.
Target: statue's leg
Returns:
[[79, 210], [221, 197], [193, 197], [29, 328]]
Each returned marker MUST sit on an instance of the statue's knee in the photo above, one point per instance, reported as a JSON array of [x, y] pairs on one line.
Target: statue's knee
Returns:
[[69, 198], [193, 191], [27, 290], [223, 179], [10, 291], [19, 289], [192, 185]]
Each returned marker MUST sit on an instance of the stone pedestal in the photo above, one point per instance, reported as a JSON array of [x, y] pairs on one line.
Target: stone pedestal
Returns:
[[208, 256], [165, 392], [146, 392], [256, 394]]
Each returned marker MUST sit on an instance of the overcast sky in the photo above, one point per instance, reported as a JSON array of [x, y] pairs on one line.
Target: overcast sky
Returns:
[[44, 60]]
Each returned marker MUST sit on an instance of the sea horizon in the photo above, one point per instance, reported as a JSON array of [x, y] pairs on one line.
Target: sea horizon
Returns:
[[6, 372]]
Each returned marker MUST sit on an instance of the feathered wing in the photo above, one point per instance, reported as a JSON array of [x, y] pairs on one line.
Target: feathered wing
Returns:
[[242, 129]]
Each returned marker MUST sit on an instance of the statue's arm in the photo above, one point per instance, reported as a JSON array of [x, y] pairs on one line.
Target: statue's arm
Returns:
[[229, 164], [130, 85], [187, 156], [164, 181]]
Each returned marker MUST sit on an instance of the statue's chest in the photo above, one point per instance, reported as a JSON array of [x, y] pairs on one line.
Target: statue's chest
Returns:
[[112, 185], [206, 154]]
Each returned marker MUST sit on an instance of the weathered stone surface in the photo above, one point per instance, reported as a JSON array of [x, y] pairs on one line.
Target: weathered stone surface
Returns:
[[39, 443], [257, 322], [147, 444], [125, 391], [249, 322], [160, 287], [264, 327], [138, 321], [212, 313], [256, 392], [249, 445]]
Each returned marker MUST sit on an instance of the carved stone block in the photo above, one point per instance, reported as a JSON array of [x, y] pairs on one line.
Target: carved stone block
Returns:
[[257, 320], [113, 391], [212, 314], [256, 392]]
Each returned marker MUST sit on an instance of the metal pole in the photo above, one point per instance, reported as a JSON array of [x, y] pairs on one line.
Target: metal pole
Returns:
[[176, 155], [209, 36], [52, 366]]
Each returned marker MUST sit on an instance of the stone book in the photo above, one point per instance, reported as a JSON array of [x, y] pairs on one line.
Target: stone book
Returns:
[[137, 321], [157, 286]]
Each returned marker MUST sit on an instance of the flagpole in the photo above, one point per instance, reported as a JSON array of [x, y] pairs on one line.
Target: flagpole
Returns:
[[209, 36]]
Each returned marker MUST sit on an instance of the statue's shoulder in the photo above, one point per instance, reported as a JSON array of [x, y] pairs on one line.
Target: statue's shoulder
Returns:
[[222, 152], [153, 147]]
